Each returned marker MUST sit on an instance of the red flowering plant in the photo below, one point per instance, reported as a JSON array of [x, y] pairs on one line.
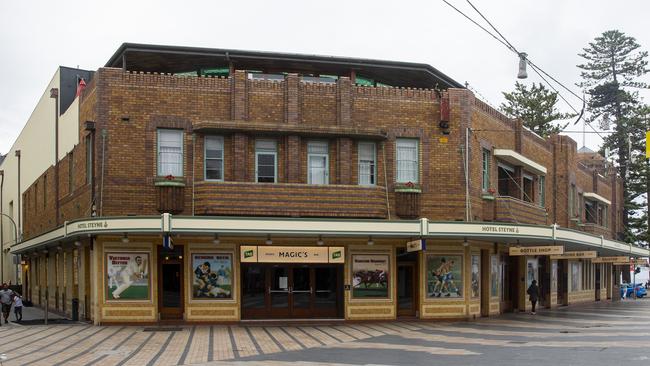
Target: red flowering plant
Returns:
[[407, 187]]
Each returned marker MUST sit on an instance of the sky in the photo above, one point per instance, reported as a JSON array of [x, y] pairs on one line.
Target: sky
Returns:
[[38, 36]]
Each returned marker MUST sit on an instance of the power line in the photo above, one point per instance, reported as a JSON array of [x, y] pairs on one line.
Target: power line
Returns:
[[475, 23], [504, 41], [512, 48], [565, 131]]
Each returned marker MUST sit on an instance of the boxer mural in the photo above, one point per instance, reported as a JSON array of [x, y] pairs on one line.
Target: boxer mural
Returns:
[[444, 276]]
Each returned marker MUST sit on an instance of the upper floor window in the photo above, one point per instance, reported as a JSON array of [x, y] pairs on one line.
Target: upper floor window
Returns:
[[317, 157], [213, 157], [266, 161], [528, 188], [45, 191], [35, 197], [541, 190], [70, 172], [407, 160], [572, 199], [486, 170], [595, 212], [591, 212], [170, 152], [506, 183], [89, 159], [367, 163]]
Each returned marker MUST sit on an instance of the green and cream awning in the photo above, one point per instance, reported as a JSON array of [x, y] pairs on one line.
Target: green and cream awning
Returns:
[[295, 227]]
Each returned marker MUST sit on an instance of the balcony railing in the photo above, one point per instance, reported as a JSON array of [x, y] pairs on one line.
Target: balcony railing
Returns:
[[596, 229], [510, 209]]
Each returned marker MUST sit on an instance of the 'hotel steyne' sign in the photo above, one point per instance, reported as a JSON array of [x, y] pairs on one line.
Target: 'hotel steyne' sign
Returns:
[[500, 229]]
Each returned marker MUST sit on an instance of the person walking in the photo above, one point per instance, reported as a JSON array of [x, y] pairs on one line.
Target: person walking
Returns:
[[6, 295], [533, 293], [18, 307]]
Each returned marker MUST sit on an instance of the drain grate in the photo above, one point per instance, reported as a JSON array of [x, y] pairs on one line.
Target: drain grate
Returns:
[[163, 329], [568, 331], [518, 342]]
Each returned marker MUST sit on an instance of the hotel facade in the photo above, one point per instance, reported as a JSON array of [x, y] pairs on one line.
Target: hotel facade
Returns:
[[210, 185]]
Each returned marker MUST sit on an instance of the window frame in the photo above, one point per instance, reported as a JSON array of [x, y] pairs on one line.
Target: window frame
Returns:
[[205, 157], [541, 190], [71, 172], [374, 162], [572, 199], [182, 147], [530, 198], [89, 159], [417, 158], [44, 190], [259, 152], [485, 169], [318, 155]]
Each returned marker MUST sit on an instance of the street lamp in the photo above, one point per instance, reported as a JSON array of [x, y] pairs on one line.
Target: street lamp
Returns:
[[2, 246]]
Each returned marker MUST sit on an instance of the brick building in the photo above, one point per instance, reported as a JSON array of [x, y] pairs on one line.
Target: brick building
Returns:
[[220, 185]]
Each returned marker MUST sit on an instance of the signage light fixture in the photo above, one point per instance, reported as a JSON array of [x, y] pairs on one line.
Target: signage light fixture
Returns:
[[268, 240], [125, 238], [216, 240], [320, 240], [370, 241]]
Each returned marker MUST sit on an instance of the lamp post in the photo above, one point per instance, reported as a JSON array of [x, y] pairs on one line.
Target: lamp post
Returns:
[[15, 241]]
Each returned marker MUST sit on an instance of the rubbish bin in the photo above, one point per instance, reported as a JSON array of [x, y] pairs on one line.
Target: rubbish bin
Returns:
[[75, 309]]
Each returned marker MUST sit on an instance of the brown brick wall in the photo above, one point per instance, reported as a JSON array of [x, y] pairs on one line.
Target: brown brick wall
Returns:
[[130, 107], [296, 200]]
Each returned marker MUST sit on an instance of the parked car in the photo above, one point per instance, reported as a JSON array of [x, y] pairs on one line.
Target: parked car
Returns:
[[629, 289]]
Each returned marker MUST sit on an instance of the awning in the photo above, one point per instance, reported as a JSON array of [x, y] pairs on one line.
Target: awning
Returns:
[[517, 159], [297, 227], [597, 197]]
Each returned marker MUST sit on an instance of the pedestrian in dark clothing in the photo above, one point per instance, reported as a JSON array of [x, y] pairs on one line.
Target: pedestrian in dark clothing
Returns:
[[533, 293]]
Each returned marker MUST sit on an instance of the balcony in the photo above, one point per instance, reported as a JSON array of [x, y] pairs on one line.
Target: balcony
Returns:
[[596, 229], [170, 195], [294, 200], [509, 209]]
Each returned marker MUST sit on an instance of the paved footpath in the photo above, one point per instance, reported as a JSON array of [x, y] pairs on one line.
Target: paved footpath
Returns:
[[594, 334]]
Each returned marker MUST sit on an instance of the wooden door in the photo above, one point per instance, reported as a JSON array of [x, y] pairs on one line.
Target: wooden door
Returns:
[[406, 289], [171, 304]]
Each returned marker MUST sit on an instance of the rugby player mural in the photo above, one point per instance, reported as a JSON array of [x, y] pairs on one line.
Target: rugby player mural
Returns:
[[444, 276], [212, 276]]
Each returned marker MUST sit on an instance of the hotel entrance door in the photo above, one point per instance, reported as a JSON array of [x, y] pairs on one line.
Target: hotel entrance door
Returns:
[[282, 291], [170, 283]]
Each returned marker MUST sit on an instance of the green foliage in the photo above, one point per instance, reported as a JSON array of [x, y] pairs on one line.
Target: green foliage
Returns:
[[535, 107], [613, 63], [638, 177]]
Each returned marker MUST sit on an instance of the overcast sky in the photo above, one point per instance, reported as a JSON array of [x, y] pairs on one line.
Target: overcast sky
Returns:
[[37, 36]]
